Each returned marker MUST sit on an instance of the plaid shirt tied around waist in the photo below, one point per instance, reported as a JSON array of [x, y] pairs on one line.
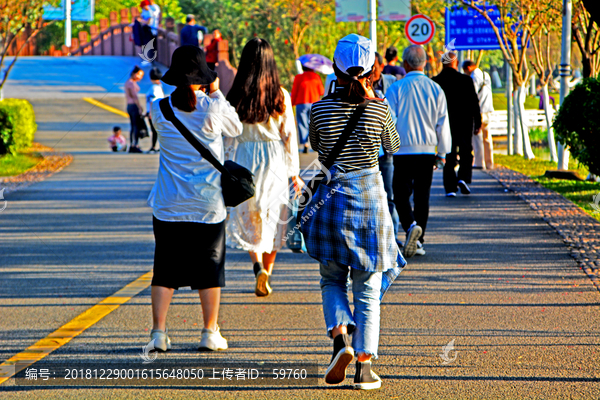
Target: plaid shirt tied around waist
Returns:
[[348, 221]]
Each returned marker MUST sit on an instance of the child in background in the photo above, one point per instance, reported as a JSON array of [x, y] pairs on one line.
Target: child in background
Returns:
[[117, 141]]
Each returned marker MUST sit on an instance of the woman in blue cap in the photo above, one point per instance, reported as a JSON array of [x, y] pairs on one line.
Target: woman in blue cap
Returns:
[[347, 225]]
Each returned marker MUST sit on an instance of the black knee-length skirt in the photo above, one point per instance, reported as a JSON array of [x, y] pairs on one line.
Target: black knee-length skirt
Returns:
[[189, 254]]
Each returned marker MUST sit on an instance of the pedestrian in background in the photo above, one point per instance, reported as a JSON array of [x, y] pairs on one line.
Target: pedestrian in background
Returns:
[[187, 201], [155, 92], [307, 89], [465, 119], [349, 229], [483, 145], [380, 84], [268, 148], [192, 34], [421, 112], [212, 50], [392, 67], [154, 20], [134, 108]]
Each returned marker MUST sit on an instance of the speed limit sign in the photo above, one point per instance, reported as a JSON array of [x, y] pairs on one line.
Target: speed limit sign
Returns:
[[419, 29]]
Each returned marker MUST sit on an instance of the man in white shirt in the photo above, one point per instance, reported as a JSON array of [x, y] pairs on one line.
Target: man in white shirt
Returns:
[[151, 15], [155, 92], [483, 146], [419, 106]]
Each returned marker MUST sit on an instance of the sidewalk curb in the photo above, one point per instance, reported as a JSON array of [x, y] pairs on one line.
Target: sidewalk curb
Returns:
[[579, 231]]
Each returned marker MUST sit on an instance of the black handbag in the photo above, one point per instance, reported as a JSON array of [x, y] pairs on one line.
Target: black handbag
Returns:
[[236, 181], [311, 187], [142, 127]]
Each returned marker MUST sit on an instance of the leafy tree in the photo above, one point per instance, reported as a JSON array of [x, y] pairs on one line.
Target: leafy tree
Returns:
[[586, 32], [520, 21], [171, 8], [541, 62], [17, 17]]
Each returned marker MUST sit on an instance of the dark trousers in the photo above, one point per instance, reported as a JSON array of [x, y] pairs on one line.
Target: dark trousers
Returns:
[[154, 134], [464, 149], [134, 116], [386, 166], [413, 174]]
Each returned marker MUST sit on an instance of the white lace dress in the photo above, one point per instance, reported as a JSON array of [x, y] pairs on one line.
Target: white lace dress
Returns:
[[270, 151]]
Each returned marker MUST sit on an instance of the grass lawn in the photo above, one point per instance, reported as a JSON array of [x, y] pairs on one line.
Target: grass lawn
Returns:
[[531, 102], [14, 165], [580, 193]]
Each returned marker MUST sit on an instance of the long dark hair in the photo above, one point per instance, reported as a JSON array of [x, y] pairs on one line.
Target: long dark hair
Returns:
[[354, 92], [256, 91], [184, 98]]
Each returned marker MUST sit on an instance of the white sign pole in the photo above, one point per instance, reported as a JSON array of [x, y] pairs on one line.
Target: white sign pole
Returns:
[[565, 74], [373, 12], [67, 23]]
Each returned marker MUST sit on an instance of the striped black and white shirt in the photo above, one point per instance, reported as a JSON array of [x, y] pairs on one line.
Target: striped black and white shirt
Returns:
[[328, 119]]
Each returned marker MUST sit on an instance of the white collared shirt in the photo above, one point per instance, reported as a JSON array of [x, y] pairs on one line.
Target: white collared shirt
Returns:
[[188, 188], [483, 88], [420, 111]]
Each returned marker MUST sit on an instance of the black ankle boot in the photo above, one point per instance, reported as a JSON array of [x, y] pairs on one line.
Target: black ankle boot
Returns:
[[343, 354], [364, 378], [257, 267]]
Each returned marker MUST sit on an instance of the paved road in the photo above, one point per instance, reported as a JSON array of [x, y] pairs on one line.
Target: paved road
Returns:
[[496, 279]]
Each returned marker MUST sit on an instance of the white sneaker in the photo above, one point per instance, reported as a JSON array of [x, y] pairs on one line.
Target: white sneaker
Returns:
[[451, 194], [212, 340], [410, 246], [420, 250], [365, 378], [464, 188], [263, 288], [161, 340]]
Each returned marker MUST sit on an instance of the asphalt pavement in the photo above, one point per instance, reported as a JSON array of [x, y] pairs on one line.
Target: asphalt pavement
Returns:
[[496, 280]]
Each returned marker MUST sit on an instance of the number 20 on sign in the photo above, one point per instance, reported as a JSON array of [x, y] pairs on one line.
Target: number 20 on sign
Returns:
[[419, 29]]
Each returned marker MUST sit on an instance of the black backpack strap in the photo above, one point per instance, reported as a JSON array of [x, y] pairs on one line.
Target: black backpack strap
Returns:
[[350, 126], [167, 111]]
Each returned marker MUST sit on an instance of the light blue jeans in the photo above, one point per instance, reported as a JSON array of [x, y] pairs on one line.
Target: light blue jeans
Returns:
[[302, 119], [366, 287]]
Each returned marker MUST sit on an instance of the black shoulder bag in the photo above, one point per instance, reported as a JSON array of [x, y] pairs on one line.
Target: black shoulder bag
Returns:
[[313, 185], [236, 181]]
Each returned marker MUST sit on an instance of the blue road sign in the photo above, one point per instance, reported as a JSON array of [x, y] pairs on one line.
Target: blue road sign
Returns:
[[471, 31], [81, 10]]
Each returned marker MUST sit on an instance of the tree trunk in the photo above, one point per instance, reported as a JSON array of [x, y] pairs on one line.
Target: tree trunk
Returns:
[[521, 93], [551, 142], [517, 136], [587, 61], [563, 157]]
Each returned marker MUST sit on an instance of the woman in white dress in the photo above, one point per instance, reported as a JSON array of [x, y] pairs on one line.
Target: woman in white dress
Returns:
[[268, 147]]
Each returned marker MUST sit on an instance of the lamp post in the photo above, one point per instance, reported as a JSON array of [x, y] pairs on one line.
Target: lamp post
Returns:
[[373, 17], [510, 149], [68, 23]]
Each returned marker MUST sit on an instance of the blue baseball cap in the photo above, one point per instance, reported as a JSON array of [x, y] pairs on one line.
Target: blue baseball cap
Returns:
[[354, 51]]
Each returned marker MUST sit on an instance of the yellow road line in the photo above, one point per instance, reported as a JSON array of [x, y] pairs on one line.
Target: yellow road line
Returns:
[[106, 107], [71, 329]]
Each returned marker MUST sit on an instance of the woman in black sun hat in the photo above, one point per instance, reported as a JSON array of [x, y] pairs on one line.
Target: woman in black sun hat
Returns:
[[188, 207]]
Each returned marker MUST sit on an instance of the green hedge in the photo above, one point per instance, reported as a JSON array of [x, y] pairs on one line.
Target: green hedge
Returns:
[[6, 129], [17, 125], [578, 126]]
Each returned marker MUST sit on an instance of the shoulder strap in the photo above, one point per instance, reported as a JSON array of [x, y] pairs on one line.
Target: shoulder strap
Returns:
[[167, 111], [337, 148]]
